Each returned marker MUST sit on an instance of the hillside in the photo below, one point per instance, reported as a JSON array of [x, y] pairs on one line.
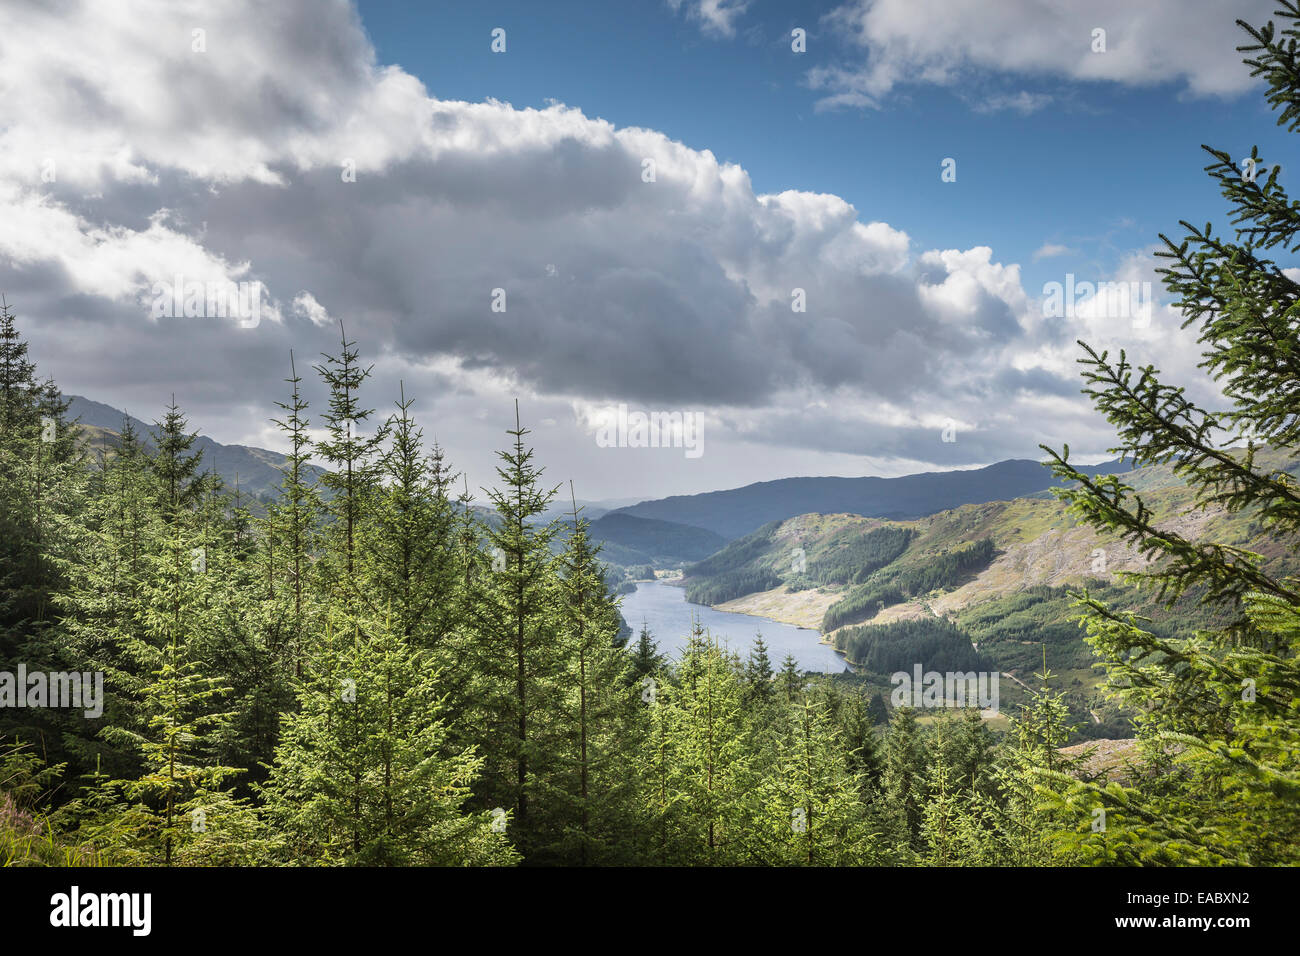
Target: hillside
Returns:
[[991, 578], [629, 540], [739, 511], [256, 470]]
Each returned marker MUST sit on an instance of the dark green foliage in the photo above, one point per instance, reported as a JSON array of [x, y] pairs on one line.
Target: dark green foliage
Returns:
[[1224, 699], [944, 570], [730, 585], [861, 604], [854, 559], [735, 555], [896, 583], [935, 643]]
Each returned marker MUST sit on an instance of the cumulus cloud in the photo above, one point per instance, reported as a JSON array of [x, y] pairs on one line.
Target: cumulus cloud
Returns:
[[942, 42], [305, 304], [477, 251]]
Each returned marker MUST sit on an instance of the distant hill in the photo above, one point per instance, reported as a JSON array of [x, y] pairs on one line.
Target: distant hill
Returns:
[[738, 511], [257, 469], [629, 540], [991, 577]]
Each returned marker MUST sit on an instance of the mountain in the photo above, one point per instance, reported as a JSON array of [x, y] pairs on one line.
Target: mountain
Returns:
[[256, 469], [629, 540], [739, 511], [992, 579]]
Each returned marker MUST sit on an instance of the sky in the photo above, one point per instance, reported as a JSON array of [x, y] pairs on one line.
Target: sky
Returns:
[[823, 234]]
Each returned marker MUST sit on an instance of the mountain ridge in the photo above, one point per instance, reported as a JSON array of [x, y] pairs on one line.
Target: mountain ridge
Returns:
[[735, 512], [257, 471]]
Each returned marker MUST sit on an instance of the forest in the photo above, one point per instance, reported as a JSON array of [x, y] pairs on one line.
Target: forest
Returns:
[[367, 670]]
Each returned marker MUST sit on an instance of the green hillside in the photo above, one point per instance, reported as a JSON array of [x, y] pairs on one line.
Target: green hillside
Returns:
[[628, 540], [991, 582]]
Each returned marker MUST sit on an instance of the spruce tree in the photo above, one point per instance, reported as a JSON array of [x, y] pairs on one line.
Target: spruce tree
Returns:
[[646, 659], [510, 654], [363, 773], [590, 799], [708, 792], [759, 690], [289, 532], [812, 812], [1224, 700], [352, 471], [789, 680], [411, 564], [904, 776]]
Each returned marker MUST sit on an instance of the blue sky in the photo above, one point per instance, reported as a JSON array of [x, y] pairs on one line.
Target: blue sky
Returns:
[[837, 309], [1102, 172]]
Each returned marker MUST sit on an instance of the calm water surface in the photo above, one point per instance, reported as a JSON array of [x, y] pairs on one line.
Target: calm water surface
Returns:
[[665, 609]]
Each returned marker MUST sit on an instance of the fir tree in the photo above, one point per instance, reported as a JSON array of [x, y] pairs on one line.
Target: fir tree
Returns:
[[759, 689], [290, 529], [352, 468], [510, 654], [363, 775], [646, 659], [1238, 776], [812, 811], [590, 798], [904, 774]]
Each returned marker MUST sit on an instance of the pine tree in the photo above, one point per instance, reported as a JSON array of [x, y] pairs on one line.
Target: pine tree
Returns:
[[362, 774], [958, 753], [1237, 774], [646, 659], [42, 500], [410, 539], [590, 799], [904, 775], [811, 805], [759, 690], [41, 491], [353, 470], [510, 651], [707, 793], [790, 681], [290, 530], [100, 605], [1019, 820], [183, 697], [861, 742]]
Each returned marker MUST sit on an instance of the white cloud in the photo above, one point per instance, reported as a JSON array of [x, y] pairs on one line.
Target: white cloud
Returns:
[[1023, 103], [715, 17], [1049, 250], [228, 166], [940, 42], [305, 304]]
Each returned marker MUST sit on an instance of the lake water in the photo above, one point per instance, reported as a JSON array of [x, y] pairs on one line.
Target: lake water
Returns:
[[665, 609]]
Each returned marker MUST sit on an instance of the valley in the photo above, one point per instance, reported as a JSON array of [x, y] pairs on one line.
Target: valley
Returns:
[[998, 577]]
